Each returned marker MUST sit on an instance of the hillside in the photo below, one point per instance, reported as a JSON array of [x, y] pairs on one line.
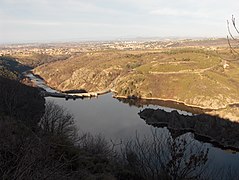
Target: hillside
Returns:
[[17, 98], [36, 59], [194, 76], [8, 63]]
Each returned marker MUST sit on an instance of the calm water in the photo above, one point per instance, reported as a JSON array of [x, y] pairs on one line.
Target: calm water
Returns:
[[119, 121], [116, 120], [107, 116]]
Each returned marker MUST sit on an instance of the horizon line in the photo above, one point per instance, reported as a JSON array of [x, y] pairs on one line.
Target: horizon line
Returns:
[[136, 38]]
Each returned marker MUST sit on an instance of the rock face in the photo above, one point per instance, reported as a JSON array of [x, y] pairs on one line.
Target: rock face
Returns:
[[218, 131], [79, 73], [200, 81]]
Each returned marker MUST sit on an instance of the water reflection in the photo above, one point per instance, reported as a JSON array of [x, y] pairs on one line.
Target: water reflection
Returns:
[[105, 115], [180, 107], [168, 106], [119, 121], [220, 132], [115, 120]]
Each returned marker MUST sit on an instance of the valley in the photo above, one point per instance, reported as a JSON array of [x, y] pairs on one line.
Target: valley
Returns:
[[184, 92], [196, 73]]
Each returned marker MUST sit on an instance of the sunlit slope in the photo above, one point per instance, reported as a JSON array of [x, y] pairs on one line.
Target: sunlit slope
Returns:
[[193, 76]]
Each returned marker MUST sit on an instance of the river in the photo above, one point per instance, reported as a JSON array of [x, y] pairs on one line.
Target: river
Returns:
[[117, 121]]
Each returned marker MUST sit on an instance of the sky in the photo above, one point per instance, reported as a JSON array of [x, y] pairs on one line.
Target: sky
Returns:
[[23, 21]]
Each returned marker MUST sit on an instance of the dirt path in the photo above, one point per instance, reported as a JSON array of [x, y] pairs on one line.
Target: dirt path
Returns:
[[195, 71]]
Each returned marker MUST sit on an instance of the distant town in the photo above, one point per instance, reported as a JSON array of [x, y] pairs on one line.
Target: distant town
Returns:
[[75, 48]]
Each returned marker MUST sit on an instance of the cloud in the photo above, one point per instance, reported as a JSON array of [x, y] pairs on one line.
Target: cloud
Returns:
[[29, 22], [178, 12], [94, 18], [61, 6]]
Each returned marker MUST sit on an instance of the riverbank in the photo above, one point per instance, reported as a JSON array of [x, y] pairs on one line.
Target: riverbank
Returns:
[[38, 81], [231, 111], [167, 102]]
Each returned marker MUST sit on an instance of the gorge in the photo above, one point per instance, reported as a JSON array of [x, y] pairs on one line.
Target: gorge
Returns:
[[179, 93]]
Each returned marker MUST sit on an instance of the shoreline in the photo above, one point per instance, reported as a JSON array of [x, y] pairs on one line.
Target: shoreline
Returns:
[[219, 112], [198, 108], [178, 102]]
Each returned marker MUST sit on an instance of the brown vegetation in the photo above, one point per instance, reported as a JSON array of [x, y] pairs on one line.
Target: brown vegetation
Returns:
[[193, 76]]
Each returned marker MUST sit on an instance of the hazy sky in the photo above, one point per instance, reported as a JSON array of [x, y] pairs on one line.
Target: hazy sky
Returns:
[[69, 20]]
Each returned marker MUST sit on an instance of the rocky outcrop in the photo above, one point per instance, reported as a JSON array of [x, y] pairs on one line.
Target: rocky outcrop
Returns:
[[68, 75]]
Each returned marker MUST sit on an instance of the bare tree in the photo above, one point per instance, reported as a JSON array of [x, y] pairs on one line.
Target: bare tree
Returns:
[[24, 156], [232, 38], [57, 121], [158, 157]]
